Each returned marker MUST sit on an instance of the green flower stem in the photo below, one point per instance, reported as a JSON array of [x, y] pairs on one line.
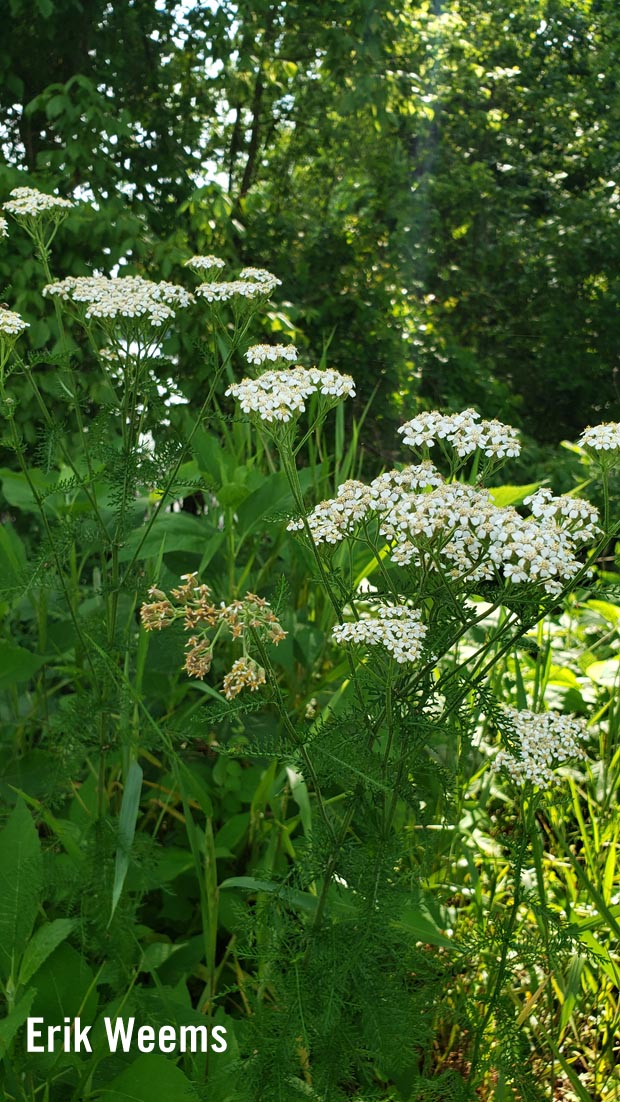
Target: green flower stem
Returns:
[[43, 252], [186, 444], [528, 809], [84, 483], [292, 733], [58, 563]]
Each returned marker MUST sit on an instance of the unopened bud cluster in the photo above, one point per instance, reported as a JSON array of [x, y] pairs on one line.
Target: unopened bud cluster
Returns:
[[199, 616], [544, 740]]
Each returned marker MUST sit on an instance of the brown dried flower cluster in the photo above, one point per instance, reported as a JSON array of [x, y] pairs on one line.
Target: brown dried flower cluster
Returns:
[[241, 618]]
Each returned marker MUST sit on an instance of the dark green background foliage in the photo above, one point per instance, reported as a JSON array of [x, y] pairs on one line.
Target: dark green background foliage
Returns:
[[436, 184], [328, 867]]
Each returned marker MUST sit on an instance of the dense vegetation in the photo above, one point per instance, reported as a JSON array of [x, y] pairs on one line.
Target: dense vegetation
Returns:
[[435, 184], [308, 693]]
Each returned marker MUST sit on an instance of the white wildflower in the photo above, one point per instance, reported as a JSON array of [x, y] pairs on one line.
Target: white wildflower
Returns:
[[464, 431], [232, 289], [263, 353], [564, 511], [544, 741], [27, 202], [11, 324], [601, 438], [396, 628], [260, 275], [4, 227], [205, 263], [337, 517], [281, 395], [125, 297]]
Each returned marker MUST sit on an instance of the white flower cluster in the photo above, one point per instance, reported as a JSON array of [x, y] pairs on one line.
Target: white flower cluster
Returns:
[[263, 353], [281, 395], [339, 516], [4, 227], [124, 297], [456, 527], [230, 289], [484, 540], [572, 512], [544, 740], [260, 275], [11, 324], [204, 263], [602, 438], [397, 628], [252, 283], [465, 432], [28, 202]]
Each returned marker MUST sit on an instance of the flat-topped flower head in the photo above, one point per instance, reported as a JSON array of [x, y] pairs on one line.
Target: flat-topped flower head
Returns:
[[4, 227], [262, 276], [338, 517], [465, 432], [121, 299], [11, 324], [28, 203], [280, 396], [205, 263], [602, 442], [434, 525], [271, 353], [543, 740], [396, 628], [565, 511], [235, 290], [11, 327], [604, 437]]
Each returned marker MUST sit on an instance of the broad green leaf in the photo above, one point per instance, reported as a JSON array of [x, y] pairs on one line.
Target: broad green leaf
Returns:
[[609, 612], [17, 664], [512, 495], [12, 558], [422, 928], [20, 886], [43, 942], [15, 1020], [173, 532], [151, 1078], [604, 673], [64, 986]]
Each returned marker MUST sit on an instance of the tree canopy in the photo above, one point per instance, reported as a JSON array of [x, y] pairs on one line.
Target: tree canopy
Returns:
[[436, 184]]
